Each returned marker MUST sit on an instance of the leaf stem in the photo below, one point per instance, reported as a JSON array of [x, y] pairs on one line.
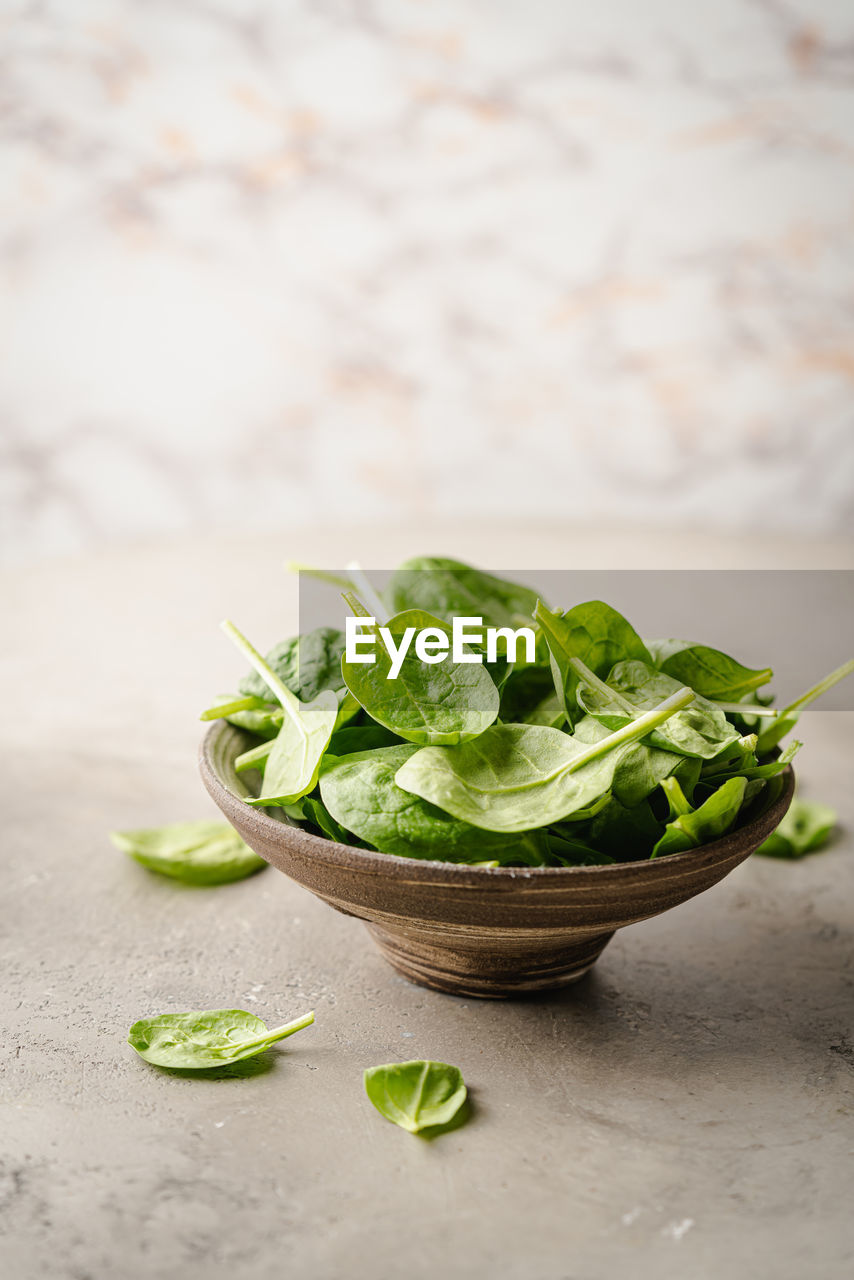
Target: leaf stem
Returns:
[[279, 1033], [283, 694], [229, 708], [675, 798], [360, 582], [589, 677], [746, 709], [818, 689], [357, 609], [255, 756], [788, 716], [322, 575], [637, 729]]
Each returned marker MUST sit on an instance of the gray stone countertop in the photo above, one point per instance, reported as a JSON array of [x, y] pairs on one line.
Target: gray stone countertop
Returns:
[[685, 1111]]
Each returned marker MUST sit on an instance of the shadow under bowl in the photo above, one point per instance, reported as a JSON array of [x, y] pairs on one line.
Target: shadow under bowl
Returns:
[[477, 931]]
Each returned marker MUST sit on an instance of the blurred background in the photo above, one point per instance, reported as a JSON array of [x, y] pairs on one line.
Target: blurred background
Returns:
[[277, 263]]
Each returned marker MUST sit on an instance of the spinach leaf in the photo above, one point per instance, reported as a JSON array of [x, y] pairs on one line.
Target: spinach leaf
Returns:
[[254, 758], [212, 1038], [520, 777], [789, 716], [528, 697], [707, 671], [361, 737], [449, 588], [701, 729], [361, 794], [805, 828], [625, 832], [307, 664], [689, 827], [416, 1095], [316, 812], [593, 632], [195, 852], [640, 767], [571, 851], [293, 764], [229, 704], [264, 719], [446, 702], [749, 768]]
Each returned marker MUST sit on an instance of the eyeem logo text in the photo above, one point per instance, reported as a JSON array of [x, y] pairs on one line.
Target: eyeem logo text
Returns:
[[434, 644]]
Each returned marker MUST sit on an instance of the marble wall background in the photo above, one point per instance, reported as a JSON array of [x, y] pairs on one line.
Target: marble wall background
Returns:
[[263, 259]]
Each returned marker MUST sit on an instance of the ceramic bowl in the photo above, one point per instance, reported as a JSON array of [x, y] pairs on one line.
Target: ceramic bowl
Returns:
[[477, 931]]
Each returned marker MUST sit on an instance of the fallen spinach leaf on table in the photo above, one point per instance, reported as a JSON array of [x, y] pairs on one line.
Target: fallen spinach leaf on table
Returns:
[[203, 853], [806, 827], [416, 1095], [206, 1038]]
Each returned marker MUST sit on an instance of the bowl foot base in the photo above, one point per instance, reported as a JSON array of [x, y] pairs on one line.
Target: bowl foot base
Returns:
[[488, 973]]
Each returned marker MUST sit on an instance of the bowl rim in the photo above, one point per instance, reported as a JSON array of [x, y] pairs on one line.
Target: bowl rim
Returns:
[[345, 855]]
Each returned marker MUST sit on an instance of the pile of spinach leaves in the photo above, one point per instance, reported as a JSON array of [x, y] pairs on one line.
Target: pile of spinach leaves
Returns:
[[607, 747]]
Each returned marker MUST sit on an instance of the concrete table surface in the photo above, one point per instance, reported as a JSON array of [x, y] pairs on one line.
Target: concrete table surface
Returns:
[[685, 1111]]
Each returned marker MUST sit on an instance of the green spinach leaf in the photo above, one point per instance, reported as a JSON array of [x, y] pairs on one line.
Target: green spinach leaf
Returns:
[[449, 588], [264, 719], [446, 702], [212, 1038], [689, 827], [293, 765], [701, 729], [521, 777], [361, 794], [593, 632], [805, 828], [707, 671], [416, 1095], [528, 697], [204, 853], [361, 737]]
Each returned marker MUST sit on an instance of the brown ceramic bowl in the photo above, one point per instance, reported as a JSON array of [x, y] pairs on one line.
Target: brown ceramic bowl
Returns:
[[478, 931]]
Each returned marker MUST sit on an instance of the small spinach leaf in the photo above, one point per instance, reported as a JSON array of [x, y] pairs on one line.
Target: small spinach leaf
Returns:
[[689, 827], [265, 720], [805, 828], [307, 664], [198, 1040], [205, 853], [701, 729], [593, 632], [707, 671], [293, 764], [416, 1095], [446, 702]]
